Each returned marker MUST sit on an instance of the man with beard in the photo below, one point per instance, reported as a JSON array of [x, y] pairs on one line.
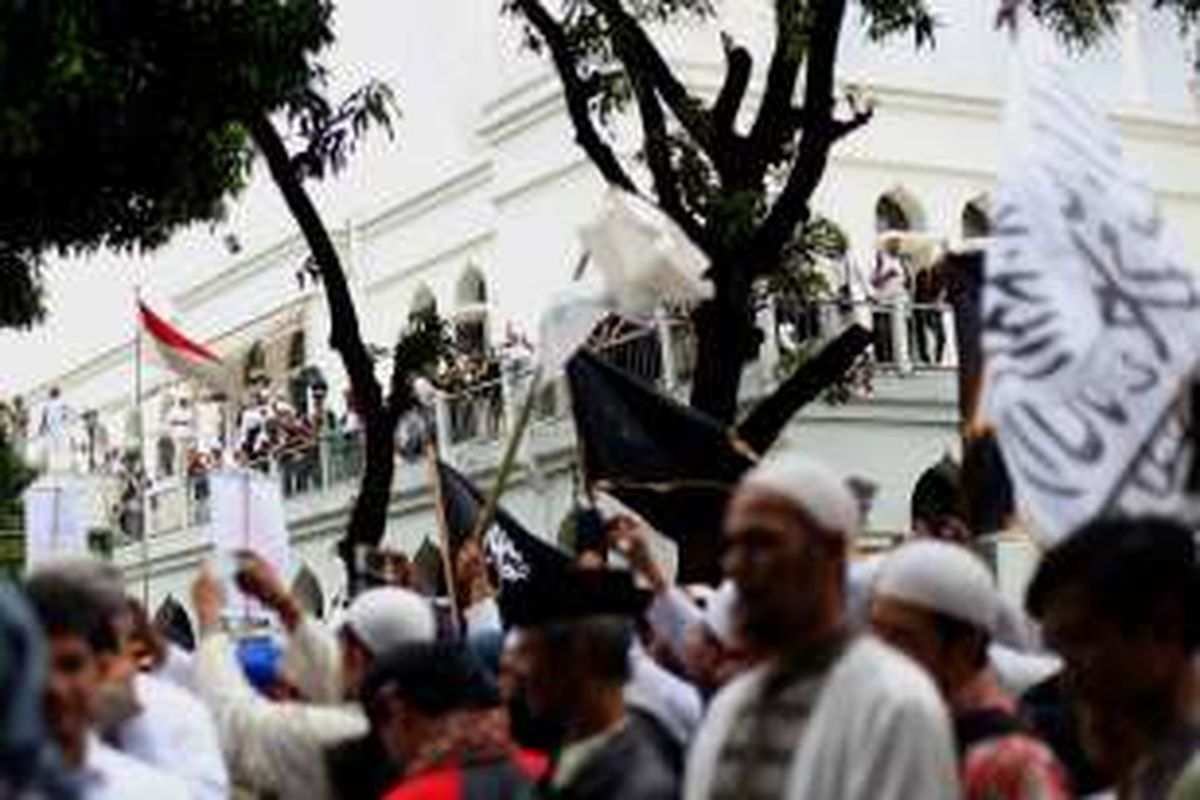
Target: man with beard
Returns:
[[566, 674], [80, 637], [1118, 601], [825, 714]]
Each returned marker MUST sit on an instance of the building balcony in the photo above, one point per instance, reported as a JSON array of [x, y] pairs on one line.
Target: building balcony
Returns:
[[909, 379]]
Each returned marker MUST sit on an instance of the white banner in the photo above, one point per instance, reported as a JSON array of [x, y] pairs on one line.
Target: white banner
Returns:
[[54, 521], [1091, 319], [247, 514]]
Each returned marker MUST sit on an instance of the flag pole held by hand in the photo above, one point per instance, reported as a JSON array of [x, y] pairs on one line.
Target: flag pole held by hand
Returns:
[[439, 511], [509, 459]]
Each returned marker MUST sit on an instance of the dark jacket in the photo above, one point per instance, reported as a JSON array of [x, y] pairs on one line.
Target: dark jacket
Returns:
[[630, 766]]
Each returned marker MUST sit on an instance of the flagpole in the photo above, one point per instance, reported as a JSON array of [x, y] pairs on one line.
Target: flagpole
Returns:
[[140, 465], [1160, 425], [439, 513], [509, 459]]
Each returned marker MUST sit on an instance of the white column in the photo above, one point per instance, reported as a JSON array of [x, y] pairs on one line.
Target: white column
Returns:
[[901, 310], [670, 369], [1133, 57], [441, 412], [768, 354]]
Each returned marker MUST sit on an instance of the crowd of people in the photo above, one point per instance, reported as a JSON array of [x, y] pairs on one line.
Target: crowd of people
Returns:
[[807, 673]]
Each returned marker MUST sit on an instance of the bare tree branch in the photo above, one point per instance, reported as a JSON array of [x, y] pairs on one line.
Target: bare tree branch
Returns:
[[658, 159], [860, 114], [640, 54], [345, 336], [821, 130], [775, 124], [577, 94], [738, 68]]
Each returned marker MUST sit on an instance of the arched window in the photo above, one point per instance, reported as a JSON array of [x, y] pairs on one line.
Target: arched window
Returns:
[[256, 363], [423, 302], [307, 591], [166, 457], [470, 312], [172, 621], [898, 210], [297, 351], [977, 218], [472, 289]]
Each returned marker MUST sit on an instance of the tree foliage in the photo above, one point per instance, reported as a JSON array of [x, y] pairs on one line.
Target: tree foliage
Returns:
[[121, 123], [737, 174], [15, 475]]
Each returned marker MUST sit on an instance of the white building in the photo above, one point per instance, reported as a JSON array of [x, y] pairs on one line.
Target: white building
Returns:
[[476, 207]]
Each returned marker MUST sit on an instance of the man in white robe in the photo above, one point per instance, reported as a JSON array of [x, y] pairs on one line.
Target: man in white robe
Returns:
[[825, 713]]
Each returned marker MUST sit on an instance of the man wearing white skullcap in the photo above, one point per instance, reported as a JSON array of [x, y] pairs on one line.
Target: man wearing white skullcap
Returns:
[[937, 602], [825, 713], [284, 749]]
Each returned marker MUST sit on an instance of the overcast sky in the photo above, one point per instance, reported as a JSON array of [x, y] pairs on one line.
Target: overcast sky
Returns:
[[91, 300]]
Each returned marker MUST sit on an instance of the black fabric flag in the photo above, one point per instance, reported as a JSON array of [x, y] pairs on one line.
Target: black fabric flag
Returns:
[[518, 557], [674, 465], [670, 463], [762, 426]]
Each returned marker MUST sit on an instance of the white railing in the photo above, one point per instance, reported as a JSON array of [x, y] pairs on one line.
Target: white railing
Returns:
[[908, 338]]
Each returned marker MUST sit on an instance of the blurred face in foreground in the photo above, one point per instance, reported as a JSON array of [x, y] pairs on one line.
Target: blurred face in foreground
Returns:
[[71, 689], [911, 630], [356, 660], [789, 575], [534, 687], [1124, 677]]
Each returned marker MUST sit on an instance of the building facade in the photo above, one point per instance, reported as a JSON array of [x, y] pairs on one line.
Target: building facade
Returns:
[[475, 211]]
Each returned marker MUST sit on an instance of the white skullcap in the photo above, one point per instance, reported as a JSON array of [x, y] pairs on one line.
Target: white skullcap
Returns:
[[387, 617], [941, 577], [818, 490], [719, 614]]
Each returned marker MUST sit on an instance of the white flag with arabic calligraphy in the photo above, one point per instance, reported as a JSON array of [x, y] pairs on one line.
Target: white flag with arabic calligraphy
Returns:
[[1091, 319]]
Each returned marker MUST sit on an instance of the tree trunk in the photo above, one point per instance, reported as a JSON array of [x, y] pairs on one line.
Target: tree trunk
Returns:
[[726, 338], [368, 518]]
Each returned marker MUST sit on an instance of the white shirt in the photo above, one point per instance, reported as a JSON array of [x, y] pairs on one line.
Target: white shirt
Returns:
[[276, 748], [107, 774], [675, 704], [313, 660], [175, 732], [671, 614], [176, 667], [878, 731]]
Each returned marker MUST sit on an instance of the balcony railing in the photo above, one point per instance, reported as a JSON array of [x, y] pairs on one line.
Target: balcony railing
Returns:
[[907, 339]]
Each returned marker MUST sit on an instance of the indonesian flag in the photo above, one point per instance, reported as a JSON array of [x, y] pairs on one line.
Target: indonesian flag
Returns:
[[178, 353]]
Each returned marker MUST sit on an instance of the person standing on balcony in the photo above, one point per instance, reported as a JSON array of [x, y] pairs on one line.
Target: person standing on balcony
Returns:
[[55, 430], [890, 283], [929, 296]]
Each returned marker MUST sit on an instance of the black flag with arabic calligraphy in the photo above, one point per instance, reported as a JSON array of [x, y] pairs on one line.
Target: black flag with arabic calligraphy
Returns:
[[517, 556]]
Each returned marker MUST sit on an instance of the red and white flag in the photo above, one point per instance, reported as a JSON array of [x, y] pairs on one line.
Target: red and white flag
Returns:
[[178, 353]]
